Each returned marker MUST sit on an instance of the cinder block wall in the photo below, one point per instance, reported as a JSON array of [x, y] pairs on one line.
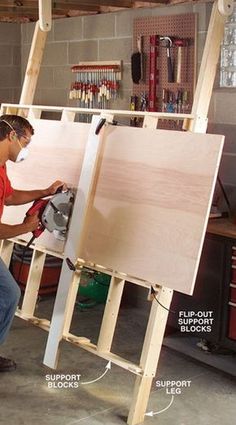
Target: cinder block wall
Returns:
[[89, 38], [10, 62]]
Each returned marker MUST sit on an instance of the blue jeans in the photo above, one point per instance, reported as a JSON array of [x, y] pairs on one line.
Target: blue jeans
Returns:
[[9, 298]]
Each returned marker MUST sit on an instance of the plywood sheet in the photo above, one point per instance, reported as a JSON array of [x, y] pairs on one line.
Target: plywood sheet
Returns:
[[151, 204], [56, 152]]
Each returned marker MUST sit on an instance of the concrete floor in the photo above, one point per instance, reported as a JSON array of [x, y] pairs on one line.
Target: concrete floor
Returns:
[[26, 399]]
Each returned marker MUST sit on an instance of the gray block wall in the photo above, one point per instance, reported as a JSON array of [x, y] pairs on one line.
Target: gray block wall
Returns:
[[91, 38], [10, 61]]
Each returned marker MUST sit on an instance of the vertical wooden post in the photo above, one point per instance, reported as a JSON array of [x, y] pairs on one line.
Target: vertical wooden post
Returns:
[[33, 283], [150, 355], [207, 73], [6, 251], [110, 314], [33, 66]]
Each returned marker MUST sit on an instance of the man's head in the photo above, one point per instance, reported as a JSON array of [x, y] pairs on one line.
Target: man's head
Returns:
[[17, 132]]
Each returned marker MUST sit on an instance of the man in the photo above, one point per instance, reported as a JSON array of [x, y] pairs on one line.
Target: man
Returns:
[[15, 136]]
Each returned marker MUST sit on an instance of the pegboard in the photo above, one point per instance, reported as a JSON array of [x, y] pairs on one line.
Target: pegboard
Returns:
[[183, 27]]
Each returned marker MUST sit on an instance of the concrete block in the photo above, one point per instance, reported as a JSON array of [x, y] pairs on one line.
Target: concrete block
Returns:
[[224, 106], [201, 38], [124, 24], [227, 170], [63, 77], [9, 33], [116, 49], [171, 10], [211, 110], [6, 95], [10, 76], [228, 130], [83, 51], [55, 54], [25, 49], [6, 55], [126, 82], [38, 97], [16, 94], [17, 55], [208, 12], [68, 29], [53, 97], [27, 31], [203, 16], [45, 79], [99, 26]]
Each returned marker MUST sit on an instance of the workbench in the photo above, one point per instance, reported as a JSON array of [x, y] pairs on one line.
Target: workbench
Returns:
[[215, 288]]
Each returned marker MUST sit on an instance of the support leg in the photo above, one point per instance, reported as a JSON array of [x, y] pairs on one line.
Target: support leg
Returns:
[[150, 355], [206, 78]]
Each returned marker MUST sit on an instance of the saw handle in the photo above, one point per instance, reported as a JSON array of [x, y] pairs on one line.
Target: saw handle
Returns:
[[38, 208], [59, 189]]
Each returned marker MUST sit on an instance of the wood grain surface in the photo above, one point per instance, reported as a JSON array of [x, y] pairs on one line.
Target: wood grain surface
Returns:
[[151, 204], [56, 152]]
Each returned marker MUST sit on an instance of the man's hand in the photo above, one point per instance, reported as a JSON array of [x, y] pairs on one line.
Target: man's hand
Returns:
[[51, 190], [31, 222]]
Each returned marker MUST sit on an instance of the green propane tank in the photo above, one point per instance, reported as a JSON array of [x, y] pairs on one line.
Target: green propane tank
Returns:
[[93, 288]]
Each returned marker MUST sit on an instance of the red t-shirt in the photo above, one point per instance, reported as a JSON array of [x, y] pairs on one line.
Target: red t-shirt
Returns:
[[5, 187]]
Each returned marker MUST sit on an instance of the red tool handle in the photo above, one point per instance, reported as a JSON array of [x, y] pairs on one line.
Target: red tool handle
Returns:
[[153, 73], [38, 206]]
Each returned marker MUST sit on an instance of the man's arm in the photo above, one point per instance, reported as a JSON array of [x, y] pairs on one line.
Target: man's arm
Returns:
[[29, 224], [20, 197]]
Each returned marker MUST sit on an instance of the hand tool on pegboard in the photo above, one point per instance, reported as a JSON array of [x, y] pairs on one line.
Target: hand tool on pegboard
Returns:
[[133, 107], [180, 43], [152, 101], [137, 62], [168, 44]]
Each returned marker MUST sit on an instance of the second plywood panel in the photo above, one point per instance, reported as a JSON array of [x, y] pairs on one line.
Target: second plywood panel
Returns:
[[151, 203]]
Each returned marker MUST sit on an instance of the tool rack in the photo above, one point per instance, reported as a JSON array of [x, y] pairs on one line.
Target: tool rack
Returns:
[[163, 95], [97, 83], [60, 324]]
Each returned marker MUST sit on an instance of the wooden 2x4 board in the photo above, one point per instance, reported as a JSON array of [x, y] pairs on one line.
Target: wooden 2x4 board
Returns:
[[150, 204]]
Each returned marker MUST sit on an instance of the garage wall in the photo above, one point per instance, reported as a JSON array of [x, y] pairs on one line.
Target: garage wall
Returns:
[[100, 37], [10, 61]]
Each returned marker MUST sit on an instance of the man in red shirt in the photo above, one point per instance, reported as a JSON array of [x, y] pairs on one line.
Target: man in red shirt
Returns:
[[15, 135]]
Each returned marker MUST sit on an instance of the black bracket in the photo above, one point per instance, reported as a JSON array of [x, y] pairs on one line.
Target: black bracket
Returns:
[[102, 122], [70, 265]]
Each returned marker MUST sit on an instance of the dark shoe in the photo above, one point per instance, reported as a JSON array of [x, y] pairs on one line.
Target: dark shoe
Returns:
[[6, 365]]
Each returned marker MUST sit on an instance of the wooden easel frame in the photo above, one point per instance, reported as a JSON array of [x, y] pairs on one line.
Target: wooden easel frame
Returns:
[[68, 286]]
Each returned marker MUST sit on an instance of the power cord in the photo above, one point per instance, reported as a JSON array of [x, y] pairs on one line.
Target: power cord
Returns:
[[23, 257], [153, 293]]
